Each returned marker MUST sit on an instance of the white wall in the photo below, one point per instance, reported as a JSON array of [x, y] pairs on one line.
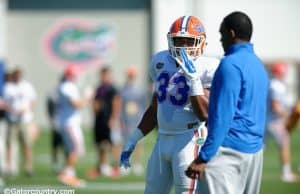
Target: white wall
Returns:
[[276, 23], [25, 30], [164, 13], [3, 6]]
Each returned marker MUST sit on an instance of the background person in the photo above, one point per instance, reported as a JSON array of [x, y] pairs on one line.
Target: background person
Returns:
[[20, 96], [56, 140], [133, 107], [3, 129], [278, 112], [70, 102], [106, 107]]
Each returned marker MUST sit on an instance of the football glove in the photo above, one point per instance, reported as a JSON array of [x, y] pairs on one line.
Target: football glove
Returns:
[[187, 65], [125, 156], [190, 73]]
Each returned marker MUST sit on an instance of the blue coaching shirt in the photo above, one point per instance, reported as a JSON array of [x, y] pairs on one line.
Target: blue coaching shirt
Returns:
[[237, 104]]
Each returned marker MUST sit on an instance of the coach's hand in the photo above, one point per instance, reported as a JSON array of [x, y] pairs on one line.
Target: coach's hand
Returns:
[[195, 169], [187, 65], [129, 147]]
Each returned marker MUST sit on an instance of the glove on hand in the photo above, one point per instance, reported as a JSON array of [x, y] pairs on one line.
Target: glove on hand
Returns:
[[187, 65]]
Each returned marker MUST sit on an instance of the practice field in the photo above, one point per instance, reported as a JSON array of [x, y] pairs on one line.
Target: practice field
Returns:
[[44, 178]]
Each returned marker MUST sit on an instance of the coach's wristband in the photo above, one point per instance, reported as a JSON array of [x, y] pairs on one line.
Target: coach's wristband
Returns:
[[196, 87]]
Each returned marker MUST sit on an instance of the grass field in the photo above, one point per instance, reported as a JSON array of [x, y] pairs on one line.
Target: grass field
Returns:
[[45, 178]]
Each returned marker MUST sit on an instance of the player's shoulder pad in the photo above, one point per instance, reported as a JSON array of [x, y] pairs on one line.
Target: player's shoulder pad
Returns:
[[161, 55], [159, 59], [208, 63]]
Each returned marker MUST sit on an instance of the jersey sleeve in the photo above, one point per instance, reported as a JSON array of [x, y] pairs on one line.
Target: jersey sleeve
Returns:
[[152, 71], [208, 74]]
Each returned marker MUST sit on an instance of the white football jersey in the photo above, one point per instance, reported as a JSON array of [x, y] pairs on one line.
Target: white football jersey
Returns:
[[20, 97], [67, 113], [174, 112]]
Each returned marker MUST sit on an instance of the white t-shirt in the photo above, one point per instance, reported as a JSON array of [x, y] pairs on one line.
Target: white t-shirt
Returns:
[[278, 92], [20, 96], [67, 113], [175, 113]]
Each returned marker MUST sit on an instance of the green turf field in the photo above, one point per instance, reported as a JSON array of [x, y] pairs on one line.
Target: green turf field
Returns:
[[45, 178]]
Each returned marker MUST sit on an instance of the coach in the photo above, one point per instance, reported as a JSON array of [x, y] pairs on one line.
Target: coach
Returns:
[[231, 159]]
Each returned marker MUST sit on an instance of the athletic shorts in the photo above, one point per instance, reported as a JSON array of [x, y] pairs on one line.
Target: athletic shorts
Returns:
[[56, 139], [101, 132], [19, 130], [72, 138]]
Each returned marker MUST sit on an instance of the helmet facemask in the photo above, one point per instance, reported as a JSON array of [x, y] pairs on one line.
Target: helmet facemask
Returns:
[[193, 45]]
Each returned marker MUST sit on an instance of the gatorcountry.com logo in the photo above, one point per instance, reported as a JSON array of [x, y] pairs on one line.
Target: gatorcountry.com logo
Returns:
[[74, 41]]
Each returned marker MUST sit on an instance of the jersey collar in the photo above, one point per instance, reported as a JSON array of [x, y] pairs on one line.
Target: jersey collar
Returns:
[[240, 46]]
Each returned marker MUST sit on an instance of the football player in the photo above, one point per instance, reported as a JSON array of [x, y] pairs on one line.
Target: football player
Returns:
[[182, 78]]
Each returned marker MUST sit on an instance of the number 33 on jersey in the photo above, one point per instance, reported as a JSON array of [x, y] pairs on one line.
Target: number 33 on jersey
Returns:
[[172, 90]]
